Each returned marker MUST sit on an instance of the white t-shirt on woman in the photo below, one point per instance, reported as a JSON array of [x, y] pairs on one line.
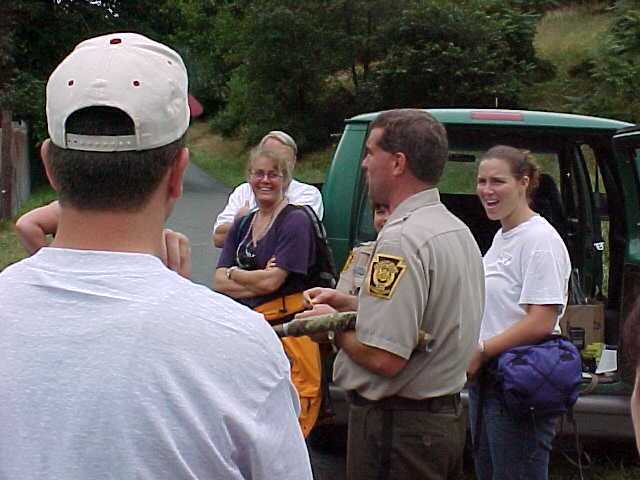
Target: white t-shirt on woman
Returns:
[[527, 265]]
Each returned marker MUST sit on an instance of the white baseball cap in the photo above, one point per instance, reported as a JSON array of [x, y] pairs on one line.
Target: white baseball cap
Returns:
[[145, 79]]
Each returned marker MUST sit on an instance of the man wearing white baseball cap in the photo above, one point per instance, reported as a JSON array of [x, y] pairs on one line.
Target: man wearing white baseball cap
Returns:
[[114, 366]]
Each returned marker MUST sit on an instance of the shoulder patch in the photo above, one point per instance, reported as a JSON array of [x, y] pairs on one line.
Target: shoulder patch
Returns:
[[384, 275], [349, 261]]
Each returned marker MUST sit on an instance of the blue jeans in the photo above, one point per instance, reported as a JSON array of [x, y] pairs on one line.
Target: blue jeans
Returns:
[[508, 447]]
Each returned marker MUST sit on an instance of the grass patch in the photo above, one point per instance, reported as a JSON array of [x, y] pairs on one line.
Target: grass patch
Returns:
[[566, 37], [10, 248], [223, 159], [226, 159]]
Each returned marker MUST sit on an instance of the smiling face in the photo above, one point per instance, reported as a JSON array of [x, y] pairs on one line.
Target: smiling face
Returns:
[[266, 181], [377, 165], [503, 196]]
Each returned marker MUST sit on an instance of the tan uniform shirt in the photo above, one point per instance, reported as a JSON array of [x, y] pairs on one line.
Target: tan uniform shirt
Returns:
[[355, 268], [426, 273]]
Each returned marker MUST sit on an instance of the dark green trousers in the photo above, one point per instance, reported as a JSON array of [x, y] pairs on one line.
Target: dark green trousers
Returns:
[[405, 439]]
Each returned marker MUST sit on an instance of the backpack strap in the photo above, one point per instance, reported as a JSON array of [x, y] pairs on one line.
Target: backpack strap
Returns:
[[324, 266], [246, 219], [317, 224]]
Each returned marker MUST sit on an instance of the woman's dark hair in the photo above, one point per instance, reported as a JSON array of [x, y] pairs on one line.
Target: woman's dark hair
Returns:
[[117, 181], [521, 163]]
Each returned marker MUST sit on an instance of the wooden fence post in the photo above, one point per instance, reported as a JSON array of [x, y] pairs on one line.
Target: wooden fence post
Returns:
[[7, 172]]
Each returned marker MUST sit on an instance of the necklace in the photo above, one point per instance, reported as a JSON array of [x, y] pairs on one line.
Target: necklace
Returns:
[[258, 233]]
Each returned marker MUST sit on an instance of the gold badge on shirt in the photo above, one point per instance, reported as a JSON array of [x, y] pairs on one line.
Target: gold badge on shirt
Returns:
[[384, 274], [349, 261]]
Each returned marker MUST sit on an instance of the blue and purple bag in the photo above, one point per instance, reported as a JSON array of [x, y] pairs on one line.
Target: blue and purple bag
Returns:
[[543, 379]]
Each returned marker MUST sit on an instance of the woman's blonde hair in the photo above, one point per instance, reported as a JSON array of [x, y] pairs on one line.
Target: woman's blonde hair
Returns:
[[280, 160]]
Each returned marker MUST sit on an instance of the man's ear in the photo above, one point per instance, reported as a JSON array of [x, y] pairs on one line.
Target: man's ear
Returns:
[[399, 164], [44, 154], [176, 174]]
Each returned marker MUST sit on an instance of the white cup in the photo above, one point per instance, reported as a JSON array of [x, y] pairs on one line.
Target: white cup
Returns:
[[608, 361]]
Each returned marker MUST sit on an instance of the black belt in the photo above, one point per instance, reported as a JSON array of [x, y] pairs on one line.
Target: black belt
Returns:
[[432, 404]]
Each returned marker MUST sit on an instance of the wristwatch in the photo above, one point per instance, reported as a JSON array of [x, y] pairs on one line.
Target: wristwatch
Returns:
[[230, 271]]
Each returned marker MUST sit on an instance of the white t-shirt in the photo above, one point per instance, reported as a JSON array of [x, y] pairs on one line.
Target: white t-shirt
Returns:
[[113, 366], [298, 193], [527, 265]]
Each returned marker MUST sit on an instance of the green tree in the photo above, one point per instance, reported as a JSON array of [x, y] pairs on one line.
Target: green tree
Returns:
[[472, 53], [284, 52], [611, 79]]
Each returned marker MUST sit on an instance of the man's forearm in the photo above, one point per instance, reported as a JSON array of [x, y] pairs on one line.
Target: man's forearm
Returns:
[[220, 234], [373, 359], [31, 237]]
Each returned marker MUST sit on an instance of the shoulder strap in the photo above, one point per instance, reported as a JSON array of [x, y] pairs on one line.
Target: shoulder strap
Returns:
[[324, 261], [246, 220]]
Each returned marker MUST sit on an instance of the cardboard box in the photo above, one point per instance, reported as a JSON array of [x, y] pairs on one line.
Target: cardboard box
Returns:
[[590, 318]]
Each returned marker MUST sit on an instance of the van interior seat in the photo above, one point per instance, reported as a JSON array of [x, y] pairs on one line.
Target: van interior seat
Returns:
[[547, 201], [468, 208]]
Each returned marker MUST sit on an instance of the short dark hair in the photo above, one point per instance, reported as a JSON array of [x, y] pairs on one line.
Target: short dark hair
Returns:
[[116, 181], [521, 163], [418, 135]]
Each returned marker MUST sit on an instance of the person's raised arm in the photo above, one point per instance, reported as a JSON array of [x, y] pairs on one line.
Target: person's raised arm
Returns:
[[176, 252], [238, 204], [220, 234], [34, 226]]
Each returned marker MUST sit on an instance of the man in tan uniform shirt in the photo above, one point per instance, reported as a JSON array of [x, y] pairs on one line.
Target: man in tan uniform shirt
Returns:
[[405, 419], [357, 264]]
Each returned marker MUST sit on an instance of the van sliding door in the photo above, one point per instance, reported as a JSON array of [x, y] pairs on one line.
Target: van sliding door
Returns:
[[627, 150]]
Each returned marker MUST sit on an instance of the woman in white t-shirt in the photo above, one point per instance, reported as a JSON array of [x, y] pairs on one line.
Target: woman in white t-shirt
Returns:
[[527, 273]]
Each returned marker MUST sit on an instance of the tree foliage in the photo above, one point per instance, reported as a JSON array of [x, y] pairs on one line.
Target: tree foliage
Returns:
[[305, 66], [465, 54], [613, 74]]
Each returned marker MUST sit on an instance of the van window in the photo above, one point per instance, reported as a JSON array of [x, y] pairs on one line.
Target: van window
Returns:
[[460, 171], [458, 192], [601, 214]]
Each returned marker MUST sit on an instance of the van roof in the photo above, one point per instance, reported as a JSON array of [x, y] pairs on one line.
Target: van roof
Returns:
[[516, 118]]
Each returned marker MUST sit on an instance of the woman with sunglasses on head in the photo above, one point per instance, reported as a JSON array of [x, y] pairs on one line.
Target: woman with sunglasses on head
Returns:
[[527, 273], [265, 263]]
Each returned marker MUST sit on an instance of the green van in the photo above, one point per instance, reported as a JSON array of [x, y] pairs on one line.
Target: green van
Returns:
[[589, 190]]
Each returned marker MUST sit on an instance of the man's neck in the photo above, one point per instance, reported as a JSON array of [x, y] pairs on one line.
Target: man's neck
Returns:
[[138, 232], [406, 189]]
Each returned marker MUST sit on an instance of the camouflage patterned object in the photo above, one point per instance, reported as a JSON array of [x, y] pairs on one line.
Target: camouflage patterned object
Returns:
[[337, 322]]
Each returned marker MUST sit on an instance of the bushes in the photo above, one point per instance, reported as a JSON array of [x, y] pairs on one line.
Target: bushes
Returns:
[[613, 74], [468, 54], [304, 67]]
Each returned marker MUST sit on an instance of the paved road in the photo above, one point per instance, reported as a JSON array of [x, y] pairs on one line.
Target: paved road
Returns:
[[203, 198]]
